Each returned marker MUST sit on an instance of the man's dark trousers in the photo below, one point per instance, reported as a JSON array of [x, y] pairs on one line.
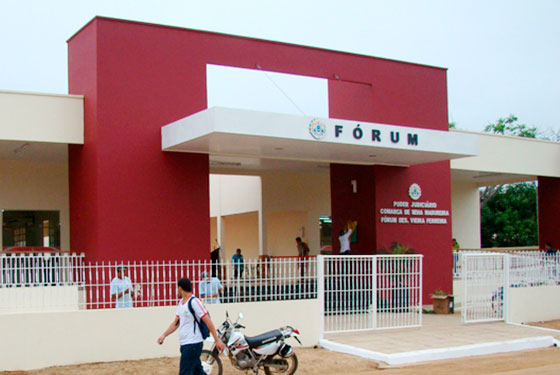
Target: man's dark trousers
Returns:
[[190, 360]]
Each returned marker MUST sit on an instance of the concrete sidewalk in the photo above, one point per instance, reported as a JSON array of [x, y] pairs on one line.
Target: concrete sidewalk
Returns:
[[440, 337]]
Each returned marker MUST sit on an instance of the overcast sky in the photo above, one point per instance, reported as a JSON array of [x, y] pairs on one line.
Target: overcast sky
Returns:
[[502, 57]]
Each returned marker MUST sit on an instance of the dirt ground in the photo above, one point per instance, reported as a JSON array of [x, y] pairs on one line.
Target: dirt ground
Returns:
[[554, 324], [321, 361]]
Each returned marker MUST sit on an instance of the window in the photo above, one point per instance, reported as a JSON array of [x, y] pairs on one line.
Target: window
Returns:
[[30, 228]]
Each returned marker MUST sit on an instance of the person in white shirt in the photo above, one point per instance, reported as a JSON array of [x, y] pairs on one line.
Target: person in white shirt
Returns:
[[190, 337], [121, 289], [344, 237]]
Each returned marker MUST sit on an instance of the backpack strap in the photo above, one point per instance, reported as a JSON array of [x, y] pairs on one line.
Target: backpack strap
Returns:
[[194, 315]]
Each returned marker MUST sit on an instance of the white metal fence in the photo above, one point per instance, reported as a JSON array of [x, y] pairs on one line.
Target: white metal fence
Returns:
[[484, 282], [30, 285], [538, 254], [487, 278], [370, 292], [40, 269]]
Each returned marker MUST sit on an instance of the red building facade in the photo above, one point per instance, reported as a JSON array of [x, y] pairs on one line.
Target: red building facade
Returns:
[[130, 200]]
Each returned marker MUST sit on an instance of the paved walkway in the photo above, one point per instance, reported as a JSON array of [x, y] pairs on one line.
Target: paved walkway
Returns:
[[441, 336]]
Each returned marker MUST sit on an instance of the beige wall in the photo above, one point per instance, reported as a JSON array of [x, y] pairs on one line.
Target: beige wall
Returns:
[[37, 340], [241, 231], [465, 214], [534, 304], [283, 228], [295, 192], [34, 185], [512, 155], [41, 117]]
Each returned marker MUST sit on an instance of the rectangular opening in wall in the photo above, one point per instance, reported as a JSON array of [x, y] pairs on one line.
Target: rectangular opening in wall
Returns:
[[261, 90], [30, 229]]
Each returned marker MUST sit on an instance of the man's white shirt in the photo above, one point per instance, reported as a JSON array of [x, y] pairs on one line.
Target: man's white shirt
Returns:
[[345, 241], [117, 287], [188, 333]]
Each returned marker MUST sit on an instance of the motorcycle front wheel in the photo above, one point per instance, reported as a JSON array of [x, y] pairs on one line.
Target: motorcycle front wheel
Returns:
[[211, 363], [280, 365]]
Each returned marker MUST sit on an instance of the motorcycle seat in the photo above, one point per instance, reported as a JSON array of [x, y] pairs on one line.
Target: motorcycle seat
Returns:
[[263, 339]]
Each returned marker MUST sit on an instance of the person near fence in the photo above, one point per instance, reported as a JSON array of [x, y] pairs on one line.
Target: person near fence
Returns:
[[303, 251], [549, 249], [456, 245], [344, 237], [121, 289], [190, 337], [210, 289], [215, 256], [238, 264]]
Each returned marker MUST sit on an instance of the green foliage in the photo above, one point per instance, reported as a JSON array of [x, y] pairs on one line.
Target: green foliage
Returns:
[[510, 126], [439, 292], [397, 248], [452, 125], [509, 217]]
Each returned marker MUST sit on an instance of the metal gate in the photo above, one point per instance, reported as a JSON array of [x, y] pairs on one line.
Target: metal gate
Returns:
[[484, 287], [370, 292]]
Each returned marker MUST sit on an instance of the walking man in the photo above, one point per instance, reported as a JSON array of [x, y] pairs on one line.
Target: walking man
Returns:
[[190, 337]]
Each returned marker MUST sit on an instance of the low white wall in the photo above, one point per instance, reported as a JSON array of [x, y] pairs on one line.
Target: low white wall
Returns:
[[37, 340], [41, 298], [533, 304]]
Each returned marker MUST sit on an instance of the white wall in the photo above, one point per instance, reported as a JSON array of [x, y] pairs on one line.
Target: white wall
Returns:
[[41, 117], [37, 340], [35, 185], [465, 214], [231, 194], [534, 304]]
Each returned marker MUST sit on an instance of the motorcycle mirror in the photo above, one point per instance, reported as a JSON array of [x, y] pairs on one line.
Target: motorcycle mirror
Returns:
[[240, 316]]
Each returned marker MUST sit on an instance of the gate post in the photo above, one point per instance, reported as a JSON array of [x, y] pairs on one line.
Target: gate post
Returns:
[[321, 293], [374, 292]]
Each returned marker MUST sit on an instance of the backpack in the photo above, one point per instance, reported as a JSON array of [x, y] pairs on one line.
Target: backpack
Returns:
[[202, 327]]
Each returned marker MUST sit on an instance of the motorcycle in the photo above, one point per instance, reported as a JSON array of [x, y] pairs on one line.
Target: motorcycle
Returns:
[[267, 351]]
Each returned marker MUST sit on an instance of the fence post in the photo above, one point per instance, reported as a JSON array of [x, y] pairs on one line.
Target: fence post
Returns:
[[464, 269], [421, 271], [506, 301], [374, 292], [321, 293]]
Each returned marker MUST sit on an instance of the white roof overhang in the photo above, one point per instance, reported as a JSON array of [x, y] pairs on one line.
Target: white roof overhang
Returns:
[[244, 134]]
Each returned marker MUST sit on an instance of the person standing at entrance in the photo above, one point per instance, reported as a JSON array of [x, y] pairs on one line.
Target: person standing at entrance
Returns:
[[344, 237], [238, 264], [190, 337]]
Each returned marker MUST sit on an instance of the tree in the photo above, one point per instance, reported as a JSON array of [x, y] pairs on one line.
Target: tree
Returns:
[[505, 126], [510, 126], [510, 216]]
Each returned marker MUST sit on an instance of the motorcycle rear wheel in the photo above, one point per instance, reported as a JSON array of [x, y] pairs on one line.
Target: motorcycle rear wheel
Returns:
[[292, 366], [211, 363]]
